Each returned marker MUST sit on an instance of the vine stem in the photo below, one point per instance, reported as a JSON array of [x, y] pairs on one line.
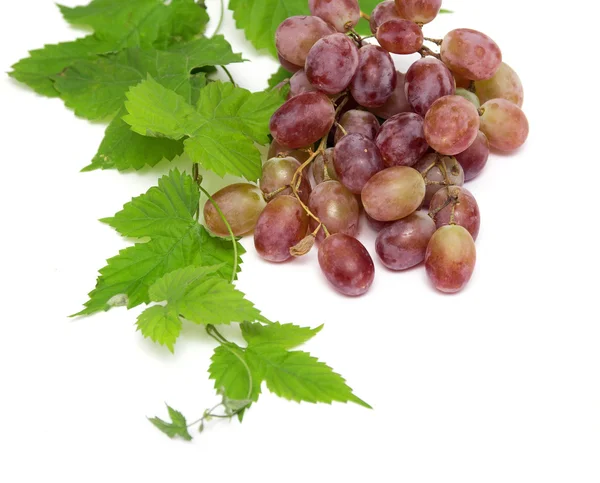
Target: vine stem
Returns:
[[434, 41], [367, 17], [228, 74], [231, 235], [425, 51], [219, 25]]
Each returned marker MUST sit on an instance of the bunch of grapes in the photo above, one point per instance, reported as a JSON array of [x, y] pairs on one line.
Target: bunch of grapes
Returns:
[[355, 134]]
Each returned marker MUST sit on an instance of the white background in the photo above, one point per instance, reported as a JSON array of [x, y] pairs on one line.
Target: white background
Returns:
[[500, 383]]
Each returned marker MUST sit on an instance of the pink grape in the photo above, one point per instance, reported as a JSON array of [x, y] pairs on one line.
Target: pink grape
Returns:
[[450, 258], [393, 193], [358, 122], [426, 81], [302, 120], [420, 11], [397, 104], [383, 12], [281, 225], [278, 172], [474, 159], [400, 36], [347, 265], [402, 244], [277, 150], [471, 54], [401, 140], [241, 204], [461, 82], [324, 162], [376, 225], [432, 167], [296, 35], [505, 84], [342, 14], [288, 65], [469, 96], [456, 205], [299, 83], [451, 125], [336, 207], [356, 159], [504, 124], [375, 78], [331, 63]]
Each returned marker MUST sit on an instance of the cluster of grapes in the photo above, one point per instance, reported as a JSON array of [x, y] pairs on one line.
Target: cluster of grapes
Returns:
[[440, 120]]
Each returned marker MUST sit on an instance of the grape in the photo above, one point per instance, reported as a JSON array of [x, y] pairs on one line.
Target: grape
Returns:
[[278, 172], [322, 162], [358, 122], [383, 12], [432, 167], [504, 124], [451, 125], [302, 120], [461, 82], [456, 205], [420, 11], [375, 78], [241, 204], [281, 225], [299, 83], [347, 265], [469, 96], [396, 104], [450, 258], [402, 244], [356, 159], [336, 207], [400, 36], [474, 159], [288, 65], [393, 193], [342, 14], [505, 84], [296, 35], [426, 81], [331, 63], [471, 54], [401, 140], [277, 150]]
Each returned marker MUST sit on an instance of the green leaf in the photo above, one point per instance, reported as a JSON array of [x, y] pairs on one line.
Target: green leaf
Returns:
[[124, 149], [178, 426], [187, 19], [173, 244], [220, 131], [279, 76], [161, 324], [233, 374], [287, 336], [207, 51], [260, 18], [297, 376], [37, 69]]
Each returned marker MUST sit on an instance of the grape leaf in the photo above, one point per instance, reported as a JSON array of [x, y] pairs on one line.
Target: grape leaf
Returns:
[[445, 10], [233, 374], [287, 336], [126, 278], [297, 376], [260, 18], [220, 131], [178, 426], [279, 76], [161, 324]]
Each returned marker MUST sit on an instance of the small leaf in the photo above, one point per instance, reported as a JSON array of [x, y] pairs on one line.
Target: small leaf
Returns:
[[233, 374], [177, 426], [287, 336], [160, 324]]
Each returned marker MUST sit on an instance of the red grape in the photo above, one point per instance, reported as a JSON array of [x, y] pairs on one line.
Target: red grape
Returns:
[[469, 96], [471, 54], [281, 225], [302, 120], [331, 63], [376, 224], [426, 81], [347, 264], [397, 104], [356, 159], [504, 124], [336, 207], [359, 122], [288, 65], [438, 171], [324, 162], [296, 35], [400, 36], [375, 79], [299, 83], [277, 150], [383, 12], [451, 125], [278, 173], [402, 244], [401, 140], [241, 204], [342, 14], [420, 11], [393, 193], [505, 84], [474, 159], [450, 258], [455, 205]]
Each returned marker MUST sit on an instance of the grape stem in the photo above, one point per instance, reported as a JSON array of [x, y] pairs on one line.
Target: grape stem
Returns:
[[341, 128], [228, 74], [433, 41], [425, 51]]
